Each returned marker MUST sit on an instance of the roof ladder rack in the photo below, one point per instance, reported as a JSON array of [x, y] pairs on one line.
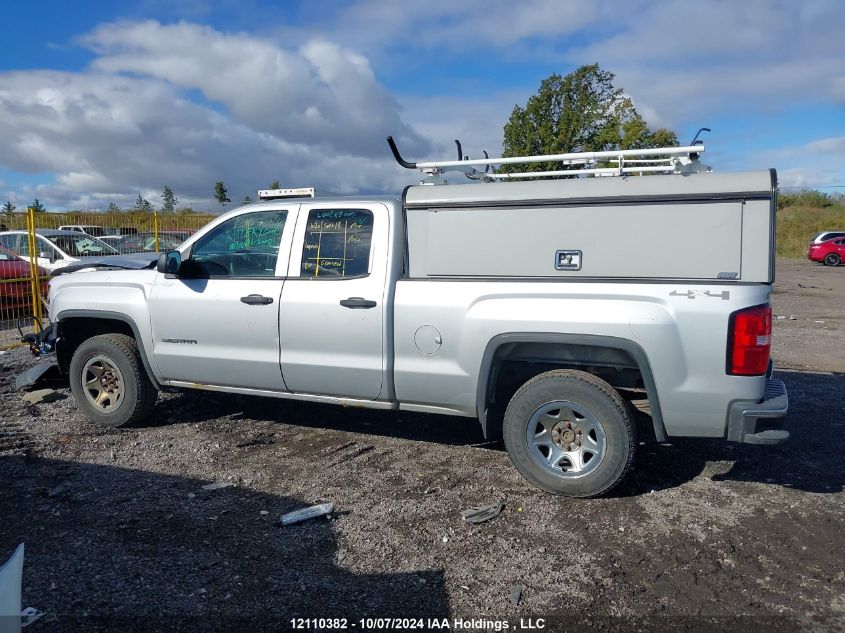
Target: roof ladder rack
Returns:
[[654, 160]]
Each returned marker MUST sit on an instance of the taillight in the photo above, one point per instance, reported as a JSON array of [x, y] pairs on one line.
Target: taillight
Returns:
[[750, 341]]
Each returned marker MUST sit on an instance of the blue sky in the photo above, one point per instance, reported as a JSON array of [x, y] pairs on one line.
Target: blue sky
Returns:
[[100, 101]]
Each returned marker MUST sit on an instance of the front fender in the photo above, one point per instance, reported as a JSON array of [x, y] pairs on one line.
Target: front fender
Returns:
[[108, 296]]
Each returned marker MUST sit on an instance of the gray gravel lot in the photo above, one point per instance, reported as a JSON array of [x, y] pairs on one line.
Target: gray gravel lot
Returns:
[[703, 535]]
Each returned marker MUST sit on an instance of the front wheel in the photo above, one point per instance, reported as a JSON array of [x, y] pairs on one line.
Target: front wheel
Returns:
[[570, 433], [832, 259], [108, 381]]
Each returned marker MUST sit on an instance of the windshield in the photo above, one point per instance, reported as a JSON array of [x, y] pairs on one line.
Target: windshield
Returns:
[[146, 242], [8, 256], [81, 245]]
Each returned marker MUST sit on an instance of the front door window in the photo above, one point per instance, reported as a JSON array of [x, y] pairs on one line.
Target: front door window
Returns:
[[244, 246]]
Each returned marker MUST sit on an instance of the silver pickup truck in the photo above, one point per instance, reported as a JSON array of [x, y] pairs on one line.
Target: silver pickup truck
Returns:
[[539, 307]]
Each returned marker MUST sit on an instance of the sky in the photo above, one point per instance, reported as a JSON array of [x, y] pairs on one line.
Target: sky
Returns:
[[103, 101]]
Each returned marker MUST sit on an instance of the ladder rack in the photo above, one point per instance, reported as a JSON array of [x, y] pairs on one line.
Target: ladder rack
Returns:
[[673, 160]]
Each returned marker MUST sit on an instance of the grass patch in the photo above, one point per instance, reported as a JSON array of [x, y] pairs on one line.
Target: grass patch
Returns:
[[797, 225]]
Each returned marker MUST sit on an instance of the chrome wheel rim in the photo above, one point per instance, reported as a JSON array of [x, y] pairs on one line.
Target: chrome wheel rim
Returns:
[[102, 384], [566, 439]]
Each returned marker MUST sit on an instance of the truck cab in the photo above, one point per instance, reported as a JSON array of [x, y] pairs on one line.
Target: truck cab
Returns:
[[310, 278]]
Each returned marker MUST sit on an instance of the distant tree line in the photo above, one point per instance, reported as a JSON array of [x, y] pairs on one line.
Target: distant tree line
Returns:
[[812, 198], [37, 206]]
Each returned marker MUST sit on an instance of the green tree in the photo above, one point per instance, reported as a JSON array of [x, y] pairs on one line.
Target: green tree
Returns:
[[582, 111], [168, 200], [113, 208], [275, 185], [9, 210], [37, 206], [141, 204], [220, 193]]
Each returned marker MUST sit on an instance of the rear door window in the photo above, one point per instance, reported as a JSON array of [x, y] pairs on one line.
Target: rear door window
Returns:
[[337, 244], [48, 249], [23, 245], [41, 244]]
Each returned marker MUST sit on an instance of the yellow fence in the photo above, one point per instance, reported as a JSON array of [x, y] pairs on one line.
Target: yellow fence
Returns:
[[30, 252]]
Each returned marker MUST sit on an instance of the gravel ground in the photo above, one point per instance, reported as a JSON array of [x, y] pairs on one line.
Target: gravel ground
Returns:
[[120, 534]]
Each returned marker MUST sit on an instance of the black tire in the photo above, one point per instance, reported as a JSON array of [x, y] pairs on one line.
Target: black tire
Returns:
[[138, 393], [832, 259], [591, 394]]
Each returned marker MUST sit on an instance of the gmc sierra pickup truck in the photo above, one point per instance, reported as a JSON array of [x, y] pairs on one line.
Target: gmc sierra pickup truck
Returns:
[[540, 307]]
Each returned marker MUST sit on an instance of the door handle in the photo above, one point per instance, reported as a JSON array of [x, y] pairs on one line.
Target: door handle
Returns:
[[357, 303], [256, 300]]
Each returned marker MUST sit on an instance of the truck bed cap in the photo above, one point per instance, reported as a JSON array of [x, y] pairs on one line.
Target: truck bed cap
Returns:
[[749, 184]]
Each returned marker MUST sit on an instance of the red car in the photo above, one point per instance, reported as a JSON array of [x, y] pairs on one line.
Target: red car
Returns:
[[17, 292], [831, 252]]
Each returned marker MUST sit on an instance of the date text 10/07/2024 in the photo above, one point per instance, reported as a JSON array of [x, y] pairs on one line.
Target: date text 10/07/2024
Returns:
[[417, 624]]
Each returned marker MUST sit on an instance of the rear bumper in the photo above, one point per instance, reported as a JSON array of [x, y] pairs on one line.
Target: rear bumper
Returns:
[[761, 422]]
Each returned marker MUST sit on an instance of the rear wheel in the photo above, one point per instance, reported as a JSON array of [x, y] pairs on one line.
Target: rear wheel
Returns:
[[570, 433], [109, 382], [832, 259]]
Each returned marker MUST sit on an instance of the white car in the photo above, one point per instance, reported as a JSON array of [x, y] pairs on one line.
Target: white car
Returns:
[[827, 235], [91, 229], [56, 249]]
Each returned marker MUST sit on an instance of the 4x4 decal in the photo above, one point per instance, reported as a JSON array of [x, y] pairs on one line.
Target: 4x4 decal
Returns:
[[692, 294]]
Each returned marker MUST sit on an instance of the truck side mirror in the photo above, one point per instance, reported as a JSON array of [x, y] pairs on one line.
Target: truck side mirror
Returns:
[[169, 262]]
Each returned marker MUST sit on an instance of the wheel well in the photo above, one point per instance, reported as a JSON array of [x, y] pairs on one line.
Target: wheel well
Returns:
[[74, 331], [512, 364]]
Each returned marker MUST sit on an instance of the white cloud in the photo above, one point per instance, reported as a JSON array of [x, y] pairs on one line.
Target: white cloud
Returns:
[[319, 94], [806, 177], [681, 61], [132, 123], [404, 28], [835, 146], [477, 122], [109, 137], [815, 164], [694, 61]]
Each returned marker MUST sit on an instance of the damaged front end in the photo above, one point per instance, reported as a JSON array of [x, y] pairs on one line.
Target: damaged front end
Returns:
[[42, 342], [42, 338]]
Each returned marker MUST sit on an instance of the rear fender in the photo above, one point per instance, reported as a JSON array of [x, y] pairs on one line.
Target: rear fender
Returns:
[[490, 362]]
